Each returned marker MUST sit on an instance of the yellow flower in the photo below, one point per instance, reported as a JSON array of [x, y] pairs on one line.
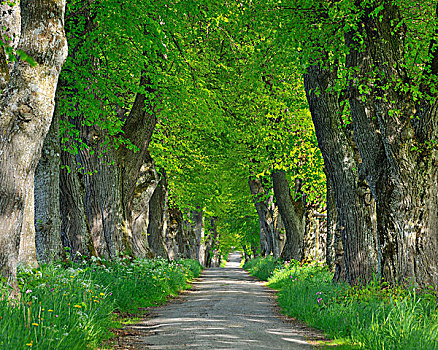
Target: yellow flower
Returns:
[[102, 294], [34, 324], [50, 310], [78, 306], [30, 344]]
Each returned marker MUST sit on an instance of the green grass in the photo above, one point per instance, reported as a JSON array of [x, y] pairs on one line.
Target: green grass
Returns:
[[73, 307], [371, 317]]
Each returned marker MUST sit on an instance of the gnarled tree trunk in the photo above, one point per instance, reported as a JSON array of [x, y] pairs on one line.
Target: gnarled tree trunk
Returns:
[[258, 193], [394, 132], [341, 160], [26, 109], [47, 221], [293, 214], [157, 208]]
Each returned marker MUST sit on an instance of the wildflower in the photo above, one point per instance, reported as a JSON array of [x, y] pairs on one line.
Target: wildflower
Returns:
[[78, 306], [319, 300], [318, 293], [29, 291], [35, 324], [101, 294], [30, 344], [50, 310]]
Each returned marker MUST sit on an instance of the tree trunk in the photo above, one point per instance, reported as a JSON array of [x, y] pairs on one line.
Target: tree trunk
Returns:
[[293, 214], [393, 132], [198, 221], [75, 230], [27, 254], [210, 243], [176, 227], [138, 215], [103, 201], [332, 214], [26, 108], [47, 221], [342, 164], [190, 235], [258, 193], [156, 220]]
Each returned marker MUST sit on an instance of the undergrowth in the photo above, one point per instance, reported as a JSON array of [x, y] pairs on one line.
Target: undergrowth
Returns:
[[375, 316], [72, 307]]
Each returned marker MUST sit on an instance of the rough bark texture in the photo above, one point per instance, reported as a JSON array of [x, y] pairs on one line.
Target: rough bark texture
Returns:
[[114, 184], [27, 254], [47, 211], [176, 228], [211, 253], [156, 227], [267, 230], [26, 109], [391, 129], [198, 229], [315, 236], [293, 214], [342, 163], [139, 209], [332, 216], [190, 235], [75, 231]]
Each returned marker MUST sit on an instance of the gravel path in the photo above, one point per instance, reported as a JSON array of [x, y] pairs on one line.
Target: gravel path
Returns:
[[227, 309]]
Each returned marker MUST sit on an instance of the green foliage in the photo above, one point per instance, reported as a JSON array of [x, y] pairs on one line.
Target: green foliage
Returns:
[[374, 316], [232, 110], [262, 268], [71, 307]]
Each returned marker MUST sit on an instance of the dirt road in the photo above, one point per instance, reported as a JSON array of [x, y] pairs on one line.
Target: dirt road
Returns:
[[227, 309]]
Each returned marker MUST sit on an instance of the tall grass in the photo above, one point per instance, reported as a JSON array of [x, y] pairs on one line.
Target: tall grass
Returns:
[[373, 316], [72, 307]]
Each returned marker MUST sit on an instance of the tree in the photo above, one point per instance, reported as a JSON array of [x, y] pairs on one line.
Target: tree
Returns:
[[370, 66], [26, 107]]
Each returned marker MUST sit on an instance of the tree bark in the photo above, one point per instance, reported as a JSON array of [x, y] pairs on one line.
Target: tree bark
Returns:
[[176, 227], [392, 132], [26, 108], [140, 206], [156, 220], [27, 254], [47, 221], [341, 160], [258, 193], [75, 230], [210, 243], [332, 215], [293, 214]]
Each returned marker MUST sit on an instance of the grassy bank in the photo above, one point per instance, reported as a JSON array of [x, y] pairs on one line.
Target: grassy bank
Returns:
[[72, 307], [370, 317]]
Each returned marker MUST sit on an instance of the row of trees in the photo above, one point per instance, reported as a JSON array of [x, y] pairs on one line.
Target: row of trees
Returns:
[[179, 129]]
